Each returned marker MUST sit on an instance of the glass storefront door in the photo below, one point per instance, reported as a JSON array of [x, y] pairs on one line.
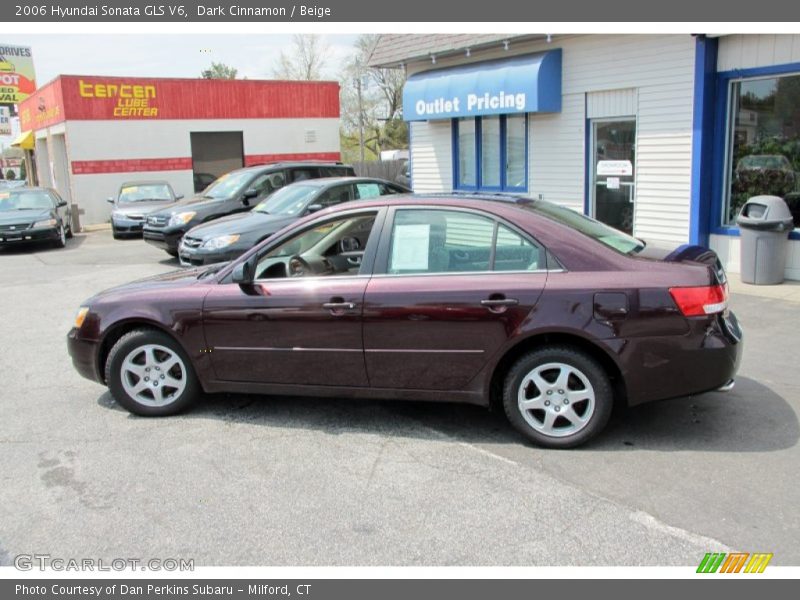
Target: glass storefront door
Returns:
[[613, 182]]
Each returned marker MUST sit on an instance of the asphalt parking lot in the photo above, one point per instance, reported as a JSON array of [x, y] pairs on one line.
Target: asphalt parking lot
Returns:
[[287, 481]]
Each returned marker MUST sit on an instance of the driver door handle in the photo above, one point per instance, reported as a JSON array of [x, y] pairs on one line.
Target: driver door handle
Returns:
[[492, 302], [339, 305]]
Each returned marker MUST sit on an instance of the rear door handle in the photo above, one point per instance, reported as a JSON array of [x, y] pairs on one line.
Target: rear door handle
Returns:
[[492, 302]]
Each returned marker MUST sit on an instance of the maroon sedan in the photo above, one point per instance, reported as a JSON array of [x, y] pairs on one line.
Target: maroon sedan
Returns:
[[487, 300]]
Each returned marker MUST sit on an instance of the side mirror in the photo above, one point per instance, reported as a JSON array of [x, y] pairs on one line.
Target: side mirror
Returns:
[[178, 197], [110, 199], [312, 208], [62, 204], [249, 193], [244, 272]]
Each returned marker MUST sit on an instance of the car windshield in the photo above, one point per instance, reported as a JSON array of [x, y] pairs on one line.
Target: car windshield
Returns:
[[25, 200], [288, 201], [144, 192], [227, 185], [613, 238]]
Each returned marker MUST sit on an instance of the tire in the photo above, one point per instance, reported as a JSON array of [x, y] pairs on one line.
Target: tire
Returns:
[[115, 234], [560, 415], [69, 231], [130, 367], [62, 237], [173, 253]]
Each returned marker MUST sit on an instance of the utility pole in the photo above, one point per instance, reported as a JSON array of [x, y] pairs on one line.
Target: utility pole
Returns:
[[360, 114]]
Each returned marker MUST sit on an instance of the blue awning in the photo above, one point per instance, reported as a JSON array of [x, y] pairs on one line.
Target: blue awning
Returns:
[[522, 84]]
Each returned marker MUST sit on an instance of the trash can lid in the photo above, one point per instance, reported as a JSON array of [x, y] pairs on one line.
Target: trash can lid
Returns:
[[765, 212]]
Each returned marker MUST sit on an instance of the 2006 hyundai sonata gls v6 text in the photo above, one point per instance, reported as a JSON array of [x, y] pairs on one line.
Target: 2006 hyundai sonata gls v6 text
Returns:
[[524, 303]]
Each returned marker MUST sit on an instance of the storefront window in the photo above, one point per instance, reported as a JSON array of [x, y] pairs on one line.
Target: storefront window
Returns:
[[491, 153], [515, 151], [764, 151], [466, 155]]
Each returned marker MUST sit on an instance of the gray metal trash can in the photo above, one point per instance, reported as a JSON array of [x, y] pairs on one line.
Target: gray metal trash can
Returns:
[[765, 223]]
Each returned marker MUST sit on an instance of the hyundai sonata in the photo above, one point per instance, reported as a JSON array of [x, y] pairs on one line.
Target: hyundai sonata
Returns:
[[501, 301]]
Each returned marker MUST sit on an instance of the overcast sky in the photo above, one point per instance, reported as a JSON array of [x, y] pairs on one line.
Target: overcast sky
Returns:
[[183, 55], [179, 55]]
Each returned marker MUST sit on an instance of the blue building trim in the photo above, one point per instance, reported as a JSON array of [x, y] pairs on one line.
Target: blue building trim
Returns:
[[721, 108], [705, 92]]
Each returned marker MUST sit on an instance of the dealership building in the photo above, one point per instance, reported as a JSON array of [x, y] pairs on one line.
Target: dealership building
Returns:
[[87, 135], [664, 136]]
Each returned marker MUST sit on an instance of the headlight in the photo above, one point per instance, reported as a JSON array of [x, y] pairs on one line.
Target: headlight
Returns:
[[46, 223], [221, 241], [181, 218], [81, 316]]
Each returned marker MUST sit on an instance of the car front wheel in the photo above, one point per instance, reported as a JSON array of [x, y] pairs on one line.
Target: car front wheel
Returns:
[[150, 375], [61, 240], [558, 397]]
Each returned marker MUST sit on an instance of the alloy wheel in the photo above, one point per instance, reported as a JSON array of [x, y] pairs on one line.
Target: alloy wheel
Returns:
[[556, 399], [153, 375]]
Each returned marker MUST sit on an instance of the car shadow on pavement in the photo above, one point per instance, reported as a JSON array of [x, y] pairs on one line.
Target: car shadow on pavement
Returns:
[[42, 247], [751, 418]]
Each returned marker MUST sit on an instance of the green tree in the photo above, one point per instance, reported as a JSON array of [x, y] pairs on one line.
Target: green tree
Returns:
[[10, 175], [377, 110], [219, 71]]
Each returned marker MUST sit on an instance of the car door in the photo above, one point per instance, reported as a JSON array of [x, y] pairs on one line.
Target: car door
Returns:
[[294, 330], [450, 287], [62, 209]]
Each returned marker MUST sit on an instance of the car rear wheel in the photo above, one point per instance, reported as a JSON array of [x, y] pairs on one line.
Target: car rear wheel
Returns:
[[558, 397], [150, 375]]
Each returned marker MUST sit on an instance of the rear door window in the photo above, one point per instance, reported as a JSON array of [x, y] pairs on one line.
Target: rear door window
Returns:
[[301, 174]]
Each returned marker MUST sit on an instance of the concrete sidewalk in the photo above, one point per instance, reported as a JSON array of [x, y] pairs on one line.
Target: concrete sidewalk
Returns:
[[789, 291]]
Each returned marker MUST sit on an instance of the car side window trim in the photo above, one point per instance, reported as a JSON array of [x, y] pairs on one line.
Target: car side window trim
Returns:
[[367, 261], [381, 267]]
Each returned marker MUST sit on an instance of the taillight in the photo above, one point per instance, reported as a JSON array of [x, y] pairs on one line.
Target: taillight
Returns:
[[699, 301]]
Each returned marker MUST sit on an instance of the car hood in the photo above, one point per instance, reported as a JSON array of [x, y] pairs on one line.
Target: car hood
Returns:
[[242, 224], [142, 208], [24, 216], [163, 282], [196, 203]]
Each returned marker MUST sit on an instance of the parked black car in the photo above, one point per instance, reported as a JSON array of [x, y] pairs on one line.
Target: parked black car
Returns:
[[32, 214], [237, 191], [228, 237]]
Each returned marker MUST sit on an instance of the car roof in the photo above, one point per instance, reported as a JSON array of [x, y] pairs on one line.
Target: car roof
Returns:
[[145, 182], [331, 181], [285, 164], [453, 199]]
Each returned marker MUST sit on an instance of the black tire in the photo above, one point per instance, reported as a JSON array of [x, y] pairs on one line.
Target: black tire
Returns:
[[585, 366], [115, 234], [61, 241], [126, 345], [69, 231], [173, 253]]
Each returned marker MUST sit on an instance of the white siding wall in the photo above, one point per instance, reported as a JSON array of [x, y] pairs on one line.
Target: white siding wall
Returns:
[[747, 52], [660, 68], [431, 156]]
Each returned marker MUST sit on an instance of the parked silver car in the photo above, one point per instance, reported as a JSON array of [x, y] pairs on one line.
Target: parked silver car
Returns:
[[134, 201]]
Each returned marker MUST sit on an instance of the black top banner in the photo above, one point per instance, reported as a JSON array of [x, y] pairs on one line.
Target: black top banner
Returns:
[[607, 11]]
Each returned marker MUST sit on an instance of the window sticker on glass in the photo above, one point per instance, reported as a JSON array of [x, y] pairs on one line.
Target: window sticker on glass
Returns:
[[129, 189], [368, 190], [410, 245]]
